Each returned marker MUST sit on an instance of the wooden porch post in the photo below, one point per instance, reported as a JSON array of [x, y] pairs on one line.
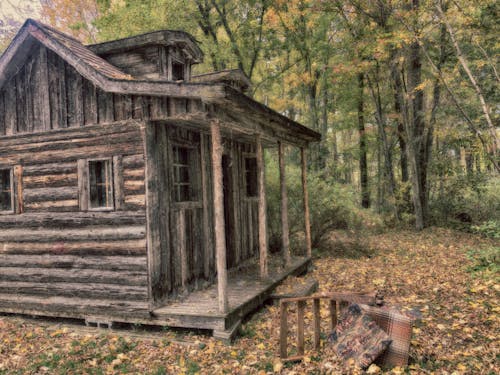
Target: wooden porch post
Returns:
[[262, 208], [285, 237], [305, 193], [220, 236]]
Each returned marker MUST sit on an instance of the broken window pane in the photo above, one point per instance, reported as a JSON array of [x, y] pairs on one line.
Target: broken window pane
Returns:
[[5, 190], [184, 174], [177, 71], [101, 185], [251, 177]]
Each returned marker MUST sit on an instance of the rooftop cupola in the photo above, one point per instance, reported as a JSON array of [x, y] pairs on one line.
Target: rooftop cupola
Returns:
[[162, 55]]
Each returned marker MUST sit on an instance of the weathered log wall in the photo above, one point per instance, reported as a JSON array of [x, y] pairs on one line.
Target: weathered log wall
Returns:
[[58, 255], [182, 233], [59, 258], [47, 93]]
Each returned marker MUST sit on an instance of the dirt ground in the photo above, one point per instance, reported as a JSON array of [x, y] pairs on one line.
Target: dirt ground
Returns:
[[452, 278]]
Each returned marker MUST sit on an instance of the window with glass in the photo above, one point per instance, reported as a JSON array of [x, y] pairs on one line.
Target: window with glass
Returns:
[[6, 191], [251, 177], [184, 181], [100, 184]]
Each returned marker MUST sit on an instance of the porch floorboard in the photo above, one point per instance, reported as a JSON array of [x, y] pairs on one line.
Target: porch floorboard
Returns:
[[246, 291]]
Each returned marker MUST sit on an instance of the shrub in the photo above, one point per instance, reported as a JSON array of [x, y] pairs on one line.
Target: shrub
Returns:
[[487, 259], [460, 201], [490, 228], [332, 206]]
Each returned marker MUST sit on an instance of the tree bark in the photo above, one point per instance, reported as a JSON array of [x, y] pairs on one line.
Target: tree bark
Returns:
[[363, 162]]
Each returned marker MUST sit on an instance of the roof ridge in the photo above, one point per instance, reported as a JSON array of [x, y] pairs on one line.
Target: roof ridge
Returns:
[[53, 29]]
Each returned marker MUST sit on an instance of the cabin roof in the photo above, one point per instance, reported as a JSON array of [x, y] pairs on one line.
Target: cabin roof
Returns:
[[228, 75], [210, 88], [160, 37]]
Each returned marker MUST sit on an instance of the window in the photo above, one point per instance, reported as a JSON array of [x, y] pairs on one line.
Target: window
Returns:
[[100, 184], [251, 177], [185, 188], [177, 71], [6, 191]]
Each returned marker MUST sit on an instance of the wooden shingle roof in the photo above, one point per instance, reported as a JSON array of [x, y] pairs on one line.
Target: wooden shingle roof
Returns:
[[209, 88]]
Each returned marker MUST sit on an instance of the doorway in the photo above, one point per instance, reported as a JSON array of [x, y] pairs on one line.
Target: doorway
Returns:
[[229, 206]]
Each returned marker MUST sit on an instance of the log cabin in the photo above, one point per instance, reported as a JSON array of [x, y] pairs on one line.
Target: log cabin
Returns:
[[132, 190]]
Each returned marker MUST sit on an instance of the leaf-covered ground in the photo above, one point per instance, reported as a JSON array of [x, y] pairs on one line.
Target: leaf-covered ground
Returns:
[[451, 277]]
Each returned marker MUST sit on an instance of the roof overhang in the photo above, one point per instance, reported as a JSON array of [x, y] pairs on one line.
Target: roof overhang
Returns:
[[162, 37], [227, 100]]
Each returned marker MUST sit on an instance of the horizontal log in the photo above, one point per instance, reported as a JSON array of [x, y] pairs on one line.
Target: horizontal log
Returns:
[[98, 151], [106, 248], [72, 220], [133, 174], [136, 189], [136, 200], [72, 307], [115, 138], [52, 180], [51, 168], [108, 263], [69, 235], [60, 206], [70, 133], [80, 290], [134, 161], [60, 275], [132, 185], [50, 194]]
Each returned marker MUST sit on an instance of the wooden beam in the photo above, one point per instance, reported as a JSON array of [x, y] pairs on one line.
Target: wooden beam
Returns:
[[18, 184], [220, 235], [262, 208], [301, 305], [283, 329], [305, 193], [285, 231], [207, 238]]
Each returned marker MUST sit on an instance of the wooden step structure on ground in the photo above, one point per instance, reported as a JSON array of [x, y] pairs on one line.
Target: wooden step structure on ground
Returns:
[[295, 287], [334, 301]]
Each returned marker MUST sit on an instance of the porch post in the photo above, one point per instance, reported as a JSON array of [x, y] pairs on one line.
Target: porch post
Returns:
[[305, 194], [262, 208], [220, 237], [285, 237]]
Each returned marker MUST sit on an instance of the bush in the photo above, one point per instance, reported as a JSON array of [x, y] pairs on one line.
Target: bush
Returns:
[[461, 201], [487, 259], [332, 206], [489, 228]]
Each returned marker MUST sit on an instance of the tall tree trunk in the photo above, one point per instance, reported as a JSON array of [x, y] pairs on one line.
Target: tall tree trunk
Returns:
[[495, 142], [381, 124], [363, 162], [398, 103], [415, 131]]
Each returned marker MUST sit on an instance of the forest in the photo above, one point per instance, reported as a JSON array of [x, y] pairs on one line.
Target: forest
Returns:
[[405, 94]]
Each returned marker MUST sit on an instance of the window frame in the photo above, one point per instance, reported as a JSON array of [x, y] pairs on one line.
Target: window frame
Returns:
[[194, 183], [112, 207], [256, 183], [12, 192]]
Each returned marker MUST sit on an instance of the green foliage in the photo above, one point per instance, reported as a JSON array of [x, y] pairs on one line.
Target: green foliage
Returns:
[[332, 206], [462, 200], [485, 259], [490, 228]]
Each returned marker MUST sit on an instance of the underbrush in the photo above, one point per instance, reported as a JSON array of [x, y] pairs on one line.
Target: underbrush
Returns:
[[333, 206], [470, 203], [485, 261]]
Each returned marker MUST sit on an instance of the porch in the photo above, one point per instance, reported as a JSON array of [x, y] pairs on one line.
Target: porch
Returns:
[[245, 292]]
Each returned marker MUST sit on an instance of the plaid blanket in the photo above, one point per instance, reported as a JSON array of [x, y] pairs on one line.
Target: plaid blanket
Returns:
[[399, 329]]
